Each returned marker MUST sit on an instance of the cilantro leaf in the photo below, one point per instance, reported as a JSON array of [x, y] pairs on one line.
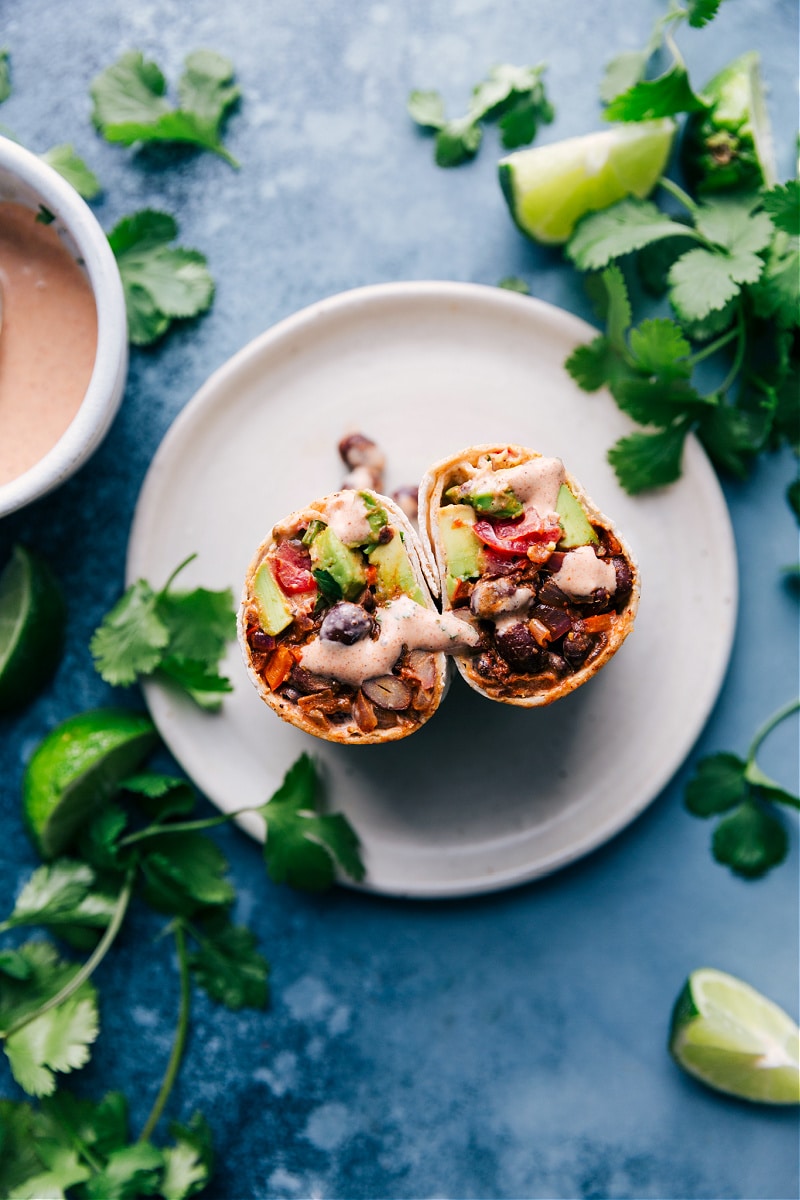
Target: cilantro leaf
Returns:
[[733, 226], [101, 1125], [777, 293], [98, 839], [427, 109], [513, 283], [302, 846], [72, 168], [161, 283], [56, 1040], [718, 785], [64, 892], [227, 964], [656, 401], [622, 72], [750, 840], [646, 460], [732, 437], [650, 99], [130, 107], [660, 348], [704, 280], [329, 587], [160, 796], [782, 203], [613, 232], [130, 1172], [591, 365], [702, 11], [457, 141], [189, 1162], [185, 873], [14, 964], [182, 634], [131, 637]]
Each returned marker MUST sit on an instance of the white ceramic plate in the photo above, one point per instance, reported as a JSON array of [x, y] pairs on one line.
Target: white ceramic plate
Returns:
[[485, 795]]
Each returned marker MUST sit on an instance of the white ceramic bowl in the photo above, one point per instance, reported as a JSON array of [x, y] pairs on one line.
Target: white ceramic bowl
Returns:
[[26, 179]]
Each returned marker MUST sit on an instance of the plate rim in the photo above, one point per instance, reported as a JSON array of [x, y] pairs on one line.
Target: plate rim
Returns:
[[337, 304]]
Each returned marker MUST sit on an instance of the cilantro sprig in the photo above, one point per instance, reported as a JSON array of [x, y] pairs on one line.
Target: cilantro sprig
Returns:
[[138, 844], [513, 96], [130, 105], [749, 838], [732, 278], [631, 97], [181, 635], [162, 283]]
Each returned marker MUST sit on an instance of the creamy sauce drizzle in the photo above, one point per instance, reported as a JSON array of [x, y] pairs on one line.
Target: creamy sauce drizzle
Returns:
[[48, 339], [510, 611], [582, 572], [346, 514], [535, 484], [402, 622]]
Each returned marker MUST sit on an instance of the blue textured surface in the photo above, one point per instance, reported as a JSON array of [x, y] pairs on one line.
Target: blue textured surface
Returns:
[[512, 1046]]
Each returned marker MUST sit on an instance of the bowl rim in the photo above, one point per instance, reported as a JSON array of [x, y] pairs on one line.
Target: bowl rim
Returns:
[[107, 382]]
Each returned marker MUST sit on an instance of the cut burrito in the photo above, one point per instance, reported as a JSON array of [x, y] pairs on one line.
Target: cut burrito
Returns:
[[525, 556], [338, 628]]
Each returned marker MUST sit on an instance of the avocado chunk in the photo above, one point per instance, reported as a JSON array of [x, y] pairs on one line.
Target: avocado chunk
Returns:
[[576, 529], [274, 612], [491, 504], [395, 574], [462, 550], [377, 516], [329, 553]]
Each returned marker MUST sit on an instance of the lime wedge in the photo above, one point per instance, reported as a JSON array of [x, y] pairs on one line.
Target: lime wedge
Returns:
[[78, 766], [549, 188], [729, 146], [32, 620], [728, 1035]]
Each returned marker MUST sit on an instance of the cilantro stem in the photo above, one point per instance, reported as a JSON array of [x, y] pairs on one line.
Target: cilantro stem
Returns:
[[92, 962], [768, 727], [680, 195], [738, 359], [714, 346], [186, 826], [180, 567], [178, 1046]]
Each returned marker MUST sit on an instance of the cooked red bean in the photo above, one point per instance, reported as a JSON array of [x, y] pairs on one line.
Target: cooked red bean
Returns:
[[624, 576], [260, 641], [575, 648], [550, 593]]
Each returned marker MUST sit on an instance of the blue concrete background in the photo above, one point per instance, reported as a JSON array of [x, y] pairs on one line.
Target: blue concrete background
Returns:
[[509, 1046]]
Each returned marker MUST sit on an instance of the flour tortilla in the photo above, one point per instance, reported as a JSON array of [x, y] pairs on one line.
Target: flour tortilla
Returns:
[[425, 576], [443, 475]]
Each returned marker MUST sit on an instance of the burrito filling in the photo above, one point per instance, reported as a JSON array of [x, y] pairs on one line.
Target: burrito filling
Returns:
[[542, 584], [338, 624]]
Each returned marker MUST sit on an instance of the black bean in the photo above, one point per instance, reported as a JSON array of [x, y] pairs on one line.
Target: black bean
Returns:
[[624, 576], [385, 535], [575, 648], [260, 642], [347, 623], [550, 593], [518, 648]]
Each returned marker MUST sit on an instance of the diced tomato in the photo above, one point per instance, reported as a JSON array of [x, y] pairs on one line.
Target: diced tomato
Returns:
[[292, 567], [516, 537]]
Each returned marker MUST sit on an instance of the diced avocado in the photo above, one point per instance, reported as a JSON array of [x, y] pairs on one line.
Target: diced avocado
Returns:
[[395, 574], [462, 549], [329, 553], [274, 612], [377, 516], [577, 530], [495, 504]]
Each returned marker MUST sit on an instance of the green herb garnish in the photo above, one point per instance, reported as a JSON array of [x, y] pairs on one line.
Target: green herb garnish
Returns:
[[181, 635], [750, 839], [72, 168], [162, 283], [513, 96], [130, 105], [330, 589]]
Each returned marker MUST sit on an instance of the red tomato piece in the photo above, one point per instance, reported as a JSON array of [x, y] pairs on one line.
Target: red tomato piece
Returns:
[[292, 567], [512, 538]]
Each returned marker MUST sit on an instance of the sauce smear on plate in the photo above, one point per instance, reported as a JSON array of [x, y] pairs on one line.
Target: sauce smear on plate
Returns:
[[48, 339]]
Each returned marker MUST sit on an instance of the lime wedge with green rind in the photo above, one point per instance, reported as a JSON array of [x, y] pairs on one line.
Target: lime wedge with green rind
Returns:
[[549, 188], [32, 622], [728, 147], [79, 766], [732, 1038]]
